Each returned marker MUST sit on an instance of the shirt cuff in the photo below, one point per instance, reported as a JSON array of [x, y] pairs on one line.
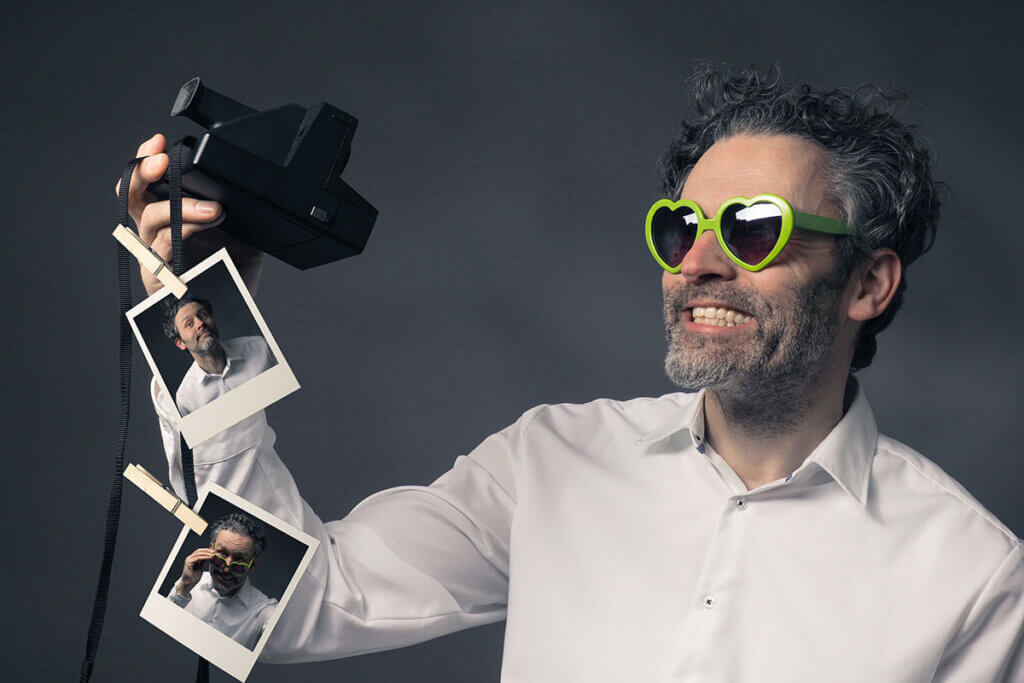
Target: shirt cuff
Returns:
[[179, 599]]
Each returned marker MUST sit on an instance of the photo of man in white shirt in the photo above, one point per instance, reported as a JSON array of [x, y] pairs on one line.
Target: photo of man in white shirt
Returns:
[[215, 586], [219, 365]]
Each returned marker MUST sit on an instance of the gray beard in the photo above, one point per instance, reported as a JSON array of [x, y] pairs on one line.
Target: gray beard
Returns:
[[766, 382], [206, 346]]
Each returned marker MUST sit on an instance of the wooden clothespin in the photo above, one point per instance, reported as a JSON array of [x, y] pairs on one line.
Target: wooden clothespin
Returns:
[[138, 475], [150, 260]]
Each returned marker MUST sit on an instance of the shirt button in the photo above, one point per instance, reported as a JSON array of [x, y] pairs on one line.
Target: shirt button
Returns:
[[741, 504], [709, 602]]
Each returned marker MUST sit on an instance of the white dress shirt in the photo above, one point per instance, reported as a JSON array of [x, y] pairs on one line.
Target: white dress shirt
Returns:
[[240, 617], [619, 547], [246, 357]]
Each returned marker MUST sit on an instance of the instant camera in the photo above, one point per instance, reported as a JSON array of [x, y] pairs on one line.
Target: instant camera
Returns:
[[277, 174]]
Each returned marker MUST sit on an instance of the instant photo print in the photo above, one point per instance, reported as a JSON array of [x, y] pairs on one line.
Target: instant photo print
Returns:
[[216, 309], [233, 637]]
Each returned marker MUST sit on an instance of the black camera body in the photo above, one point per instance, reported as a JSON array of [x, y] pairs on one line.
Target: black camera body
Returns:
[[277, 173]]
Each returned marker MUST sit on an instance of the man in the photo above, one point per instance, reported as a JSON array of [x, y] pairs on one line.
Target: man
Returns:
[[215, 586], [759, 529], [219, 365]]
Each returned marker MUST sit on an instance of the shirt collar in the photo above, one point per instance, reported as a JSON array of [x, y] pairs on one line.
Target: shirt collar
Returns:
[[689, 416], [846, 453], [849, 449]]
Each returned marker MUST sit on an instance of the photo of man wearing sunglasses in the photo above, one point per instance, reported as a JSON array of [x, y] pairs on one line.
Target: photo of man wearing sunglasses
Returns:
[[754, 525], [215, 583]]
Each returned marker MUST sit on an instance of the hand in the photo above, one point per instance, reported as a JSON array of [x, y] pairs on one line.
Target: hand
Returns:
[[193, 571], [153, 219]]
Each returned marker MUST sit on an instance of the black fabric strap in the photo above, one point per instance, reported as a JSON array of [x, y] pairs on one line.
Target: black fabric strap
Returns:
[[178, 265], [123, 217], [99, 605]]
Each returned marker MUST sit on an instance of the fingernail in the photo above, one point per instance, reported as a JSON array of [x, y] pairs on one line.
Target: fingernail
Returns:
[[206, 207]]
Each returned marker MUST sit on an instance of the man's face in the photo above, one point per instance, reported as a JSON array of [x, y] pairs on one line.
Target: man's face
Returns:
[[234, 548], [793, 305], [197, 332]]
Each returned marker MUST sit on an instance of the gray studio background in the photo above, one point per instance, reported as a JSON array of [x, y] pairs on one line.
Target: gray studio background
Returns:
[[511, 152]]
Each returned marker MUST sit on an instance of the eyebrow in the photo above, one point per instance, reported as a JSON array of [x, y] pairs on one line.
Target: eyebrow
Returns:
[[222, 551]]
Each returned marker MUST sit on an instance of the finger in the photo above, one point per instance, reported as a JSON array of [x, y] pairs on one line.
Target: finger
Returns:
[[149, 170], [157, 215], [195, 563], [162, 242], [154, 145]]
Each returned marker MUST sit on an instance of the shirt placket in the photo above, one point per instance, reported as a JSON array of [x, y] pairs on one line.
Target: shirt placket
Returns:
[[714, 607]]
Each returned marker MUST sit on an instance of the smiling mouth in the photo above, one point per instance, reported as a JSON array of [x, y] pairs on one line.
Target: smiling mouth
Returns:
[[716, 316], [705, 320]]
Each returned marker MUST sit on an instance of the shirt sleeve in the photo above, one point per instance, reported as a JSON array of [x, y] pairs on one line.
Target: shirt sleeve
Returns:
[[989, 646], [179, 599], [406, 565], [169, 436]]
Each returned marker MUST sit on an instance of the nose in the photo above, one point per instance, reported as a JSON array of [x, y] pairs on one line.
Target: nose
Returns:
[[706, 261]]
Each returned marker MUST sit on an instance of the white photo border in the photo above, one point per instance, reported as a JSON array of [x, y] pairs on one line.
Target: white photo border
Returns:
[[198, 636], [264, 389]]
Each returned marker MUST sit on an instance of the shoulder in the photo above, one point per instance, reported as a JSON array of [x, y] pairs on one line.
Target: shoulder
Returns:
[[252, 594], [257, 600], [248, 342], [549, 441], [605, 418], [908, 483], [638, 412]]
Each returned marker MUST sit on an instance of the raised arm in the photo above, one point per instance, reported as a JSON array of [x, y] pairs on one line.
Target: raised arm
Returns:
[[406, 565]]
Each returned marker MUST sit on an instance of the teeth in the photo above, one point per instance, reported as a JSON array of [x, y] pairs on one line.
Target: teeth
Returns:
[[720, 317]]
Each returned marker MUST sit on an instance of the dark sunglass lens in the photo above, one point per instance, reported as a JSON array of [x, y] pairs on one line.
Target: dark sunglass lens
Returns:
[[239, 569], [217, 562], [752, 231], [672, 233]]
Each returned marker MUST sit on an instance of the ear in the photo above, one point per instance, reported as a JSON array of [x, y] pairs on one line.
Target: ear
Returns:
[[874, 285], [180, 344]]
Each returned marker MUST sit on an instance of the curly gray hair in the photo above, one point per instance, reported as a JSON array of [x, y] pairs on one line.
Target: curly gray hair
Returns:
[[879, 174], [244, 525], [171, 308]]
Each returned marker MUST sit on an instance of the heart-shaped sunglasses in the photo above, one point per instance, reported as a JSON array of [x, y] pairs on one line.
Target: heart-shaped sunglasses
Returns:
[[751, 232]]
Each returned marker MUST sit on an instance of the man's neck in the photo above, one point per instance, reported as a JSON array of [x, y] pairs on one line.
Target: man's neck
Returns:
[[766, 438], [214, 361]]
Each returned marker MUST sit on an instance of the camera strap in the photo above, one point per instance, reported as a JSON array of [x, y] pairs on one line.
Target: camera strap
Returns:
[[123, 260]]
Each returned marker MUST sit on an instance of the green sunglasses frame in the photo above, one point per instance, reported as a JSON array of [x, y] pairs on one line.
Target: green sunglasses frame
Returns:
[[790, 219], [247, 565]]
